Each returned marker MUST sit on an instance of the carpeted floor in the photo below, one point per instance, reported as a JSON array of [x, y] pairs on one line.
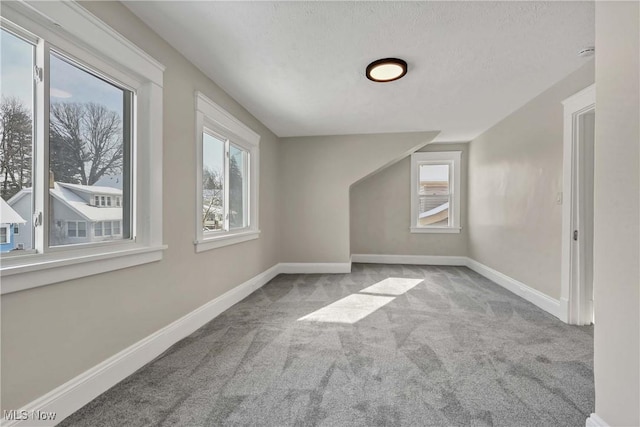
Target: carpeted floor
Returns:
[[366, 348]]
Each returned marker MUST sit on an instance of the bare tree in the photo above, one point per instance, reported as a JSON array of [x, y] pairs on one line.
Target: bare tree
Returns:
[[212, 185], [16, 153], [85, 142]]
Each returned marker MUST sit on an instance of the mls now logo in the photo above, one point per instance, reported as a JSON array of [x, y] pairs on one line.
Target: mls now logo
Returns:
[[22, 415]]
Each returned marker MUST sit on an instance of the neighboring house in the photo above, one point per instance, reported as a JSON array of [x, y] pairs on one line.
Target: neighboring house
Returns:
[[79, 214], [10, 224]]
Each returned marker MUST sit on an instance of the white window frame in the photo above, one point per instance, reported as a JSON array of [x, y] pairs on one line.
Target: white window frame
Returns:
[[451, 158], [215, 119], [71, 29], [16, 229]]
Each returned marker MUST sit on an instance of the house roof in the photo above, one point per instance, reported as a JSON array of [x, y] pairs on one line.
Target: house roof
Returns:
[[92, 189], [8, 215], [67, 194]]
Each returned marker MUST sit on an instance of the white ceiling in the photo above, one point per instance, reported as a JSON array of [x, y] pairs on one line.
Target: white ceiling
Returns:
[[299, 66]]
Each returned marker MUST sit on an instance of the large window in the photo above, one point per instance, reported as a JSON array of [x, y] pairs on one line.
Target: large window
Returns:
[[227, 192], [435, 192], [81, 110]]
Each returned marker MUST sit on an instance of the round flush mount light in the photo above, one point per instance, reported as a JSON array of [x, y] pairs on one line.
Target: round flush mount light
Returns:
[[386, 70]]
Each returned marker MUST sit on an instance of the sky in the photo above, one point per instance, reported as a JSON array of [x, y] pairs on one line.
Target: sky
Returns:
[[68, 83], [434, 173], [212, 153]]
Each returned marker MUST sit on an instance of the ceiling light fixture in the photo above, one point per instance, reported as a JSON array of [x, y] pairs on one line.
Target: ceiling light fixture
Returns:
[[386, 70]]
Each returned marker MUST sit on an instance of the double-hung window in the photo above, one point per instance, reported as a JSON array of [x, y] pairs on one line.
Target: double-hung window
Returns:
[[81, 109], [227, 178], [435, 192]]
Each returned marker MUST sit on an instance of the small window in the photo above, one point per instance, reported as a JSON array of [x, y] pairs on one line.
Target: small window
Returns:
[[4, 235], [16, 229], [107, 228], [118, 202], [102, 201], [71, 229], [82, 229], [98, 229], [435, 192], [96, 200], [228, 156], [108, 201], [116, 228]]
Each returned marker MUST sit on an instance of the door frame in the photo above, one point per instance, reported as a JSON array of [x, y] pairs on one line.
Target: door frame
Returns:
[[576, 307]]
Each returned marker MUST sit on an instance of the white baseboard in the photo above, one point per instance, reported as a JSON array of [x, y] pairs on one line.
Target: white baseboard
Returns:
[[409, 259], [595, 421], [543, 301], [79, 391], [314, 267]]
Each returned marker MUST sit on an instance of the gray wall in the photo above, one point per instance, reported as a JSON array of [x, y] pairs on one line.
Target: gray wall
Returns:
[[380, 213], [616, 214], [80, 323], [515, 171], [315, 176]]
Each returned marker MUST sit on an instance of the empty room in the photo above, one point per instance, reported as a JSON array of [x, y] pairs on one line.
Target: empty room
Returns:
[[279, 213]]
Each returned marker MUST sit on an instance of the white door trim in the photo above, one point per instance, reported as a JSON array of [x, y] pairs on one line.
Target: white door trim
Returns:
[[575, 305]]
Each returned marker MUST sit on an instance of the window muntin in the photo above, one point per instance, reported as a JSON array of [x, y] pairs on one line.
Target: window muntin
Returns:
[[435, 191]]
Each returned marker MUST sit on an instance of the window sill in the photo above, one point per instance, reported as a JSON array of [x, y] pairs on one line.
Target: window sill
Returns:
[[225, 240], [31, 271], [435, 229]]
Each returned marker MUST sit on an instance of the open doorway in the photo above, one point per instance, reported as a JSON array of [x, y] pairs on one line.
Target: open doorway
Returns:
[[577, 212]]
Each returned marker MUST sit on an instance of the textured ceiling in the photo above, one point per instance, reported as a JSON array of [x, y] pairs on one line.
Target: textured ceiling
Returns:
[[299, 66]]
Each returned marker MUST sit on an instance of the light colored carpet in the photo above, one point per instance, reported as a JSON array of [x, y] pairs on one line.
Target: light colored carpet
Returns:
[[449, 348]]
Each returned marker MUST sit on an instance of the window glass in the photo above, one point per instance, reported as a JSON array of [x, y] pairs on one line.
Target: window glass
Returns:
[[433, 195], [16, 128], [3, 235], [98, 229], [213, 152], [82, 229], [106, 226], [116, 227], [237, 187], [88, 143], [71, 229]]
